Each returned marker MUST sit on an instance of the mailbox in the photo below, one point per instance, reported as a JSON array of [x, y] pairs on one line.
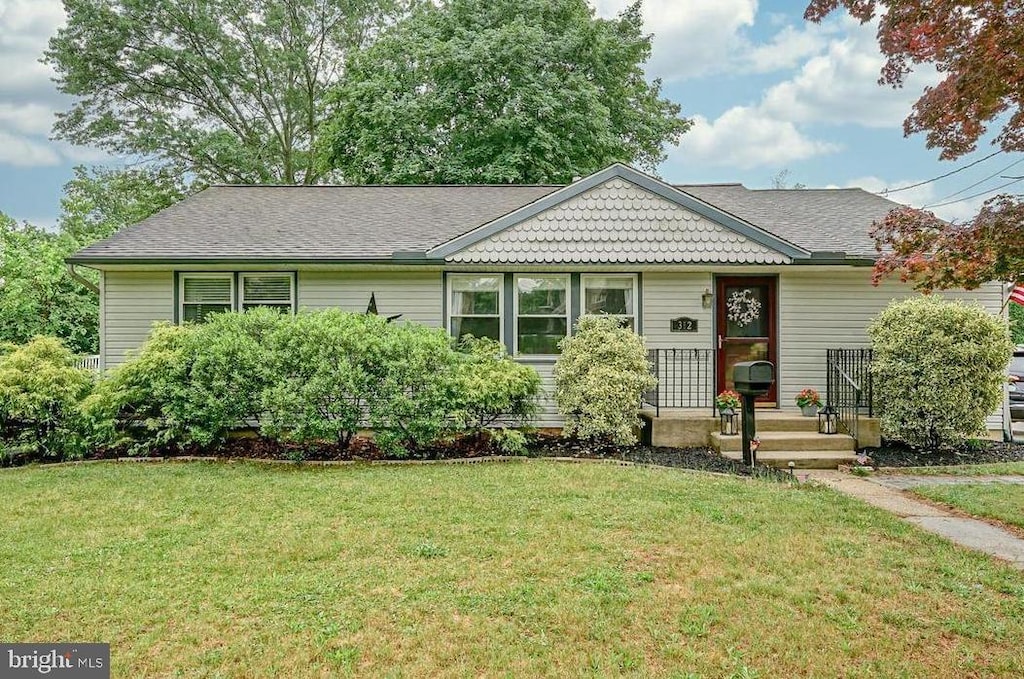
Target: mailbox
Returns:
[[753, 377]]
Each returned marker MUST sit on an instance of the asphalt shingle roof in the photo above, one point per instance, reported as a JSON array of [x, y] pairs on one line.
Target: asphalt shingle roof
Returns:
[[312, 222], [325, 223]]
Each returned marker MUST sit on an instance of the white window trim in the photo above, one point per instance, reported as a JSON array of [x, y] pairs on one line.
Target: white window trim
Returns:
[[292, 285], [636, 295], [515, 310], [182, 277], [501, 302]]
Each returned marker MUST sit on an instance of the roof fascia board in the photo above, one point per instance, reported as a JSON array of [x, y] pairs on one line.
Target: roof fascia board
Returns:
[[618, 170]]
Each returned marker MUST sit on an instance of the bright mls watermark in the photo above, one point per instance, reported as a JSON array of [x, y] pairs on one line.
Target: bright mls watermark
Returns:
[[66, 661]]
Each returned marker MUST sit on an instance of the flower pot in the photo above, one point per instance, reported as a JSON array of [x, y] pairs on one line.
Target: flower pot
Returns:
[[809, 410]]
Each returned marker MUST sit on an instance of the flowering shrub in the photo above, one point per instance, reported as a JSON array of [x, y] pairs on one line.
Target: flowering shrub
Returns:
[[728, 399], [938, 370], [600, 378], [808, 397]]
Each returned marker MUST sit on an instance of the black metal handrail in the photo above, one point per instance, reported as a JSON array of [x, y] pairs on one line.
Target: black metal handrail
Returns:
[[850, 388], [686, 379]]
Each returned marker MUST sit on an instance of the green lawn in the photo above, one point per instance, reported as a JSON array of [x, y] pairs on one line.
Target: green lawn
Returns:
[[1002, 501], [518, 570], [994, 468]]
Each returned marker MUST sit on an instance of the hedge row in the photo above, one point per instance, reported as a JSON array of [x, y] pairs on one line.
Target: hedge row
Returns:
[[320, 376]]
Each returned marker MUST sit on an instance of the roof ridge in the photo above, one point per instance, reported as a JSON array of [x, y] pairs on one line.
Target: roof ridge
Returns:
[[385, 186]]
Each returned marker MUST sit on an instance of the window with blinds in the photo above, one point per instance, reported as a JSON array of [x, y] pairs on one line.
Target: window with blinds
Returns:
[[272, 290], [205, 294]]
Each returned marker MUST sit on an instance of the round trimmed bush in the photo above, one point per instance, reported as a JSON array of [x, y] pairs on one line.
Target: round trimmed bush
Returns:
[[939, 370]]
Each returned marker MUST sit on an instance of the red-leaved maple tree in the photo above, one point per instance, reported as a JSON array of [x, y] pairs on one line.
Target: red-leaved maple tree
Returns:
[[978, 46]]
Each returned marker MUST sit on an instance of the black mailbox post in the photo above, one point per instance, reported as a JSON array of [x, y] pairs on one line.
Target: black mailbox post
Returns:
[[751, 379]]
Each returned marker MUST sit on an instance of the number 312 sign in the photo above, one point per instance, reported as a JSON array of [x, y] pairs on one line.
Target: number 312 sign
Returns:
[[683, 324]]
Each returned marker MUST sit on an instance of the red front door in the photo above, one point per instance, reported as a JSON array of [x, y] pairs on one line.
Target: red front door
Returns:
[[746, 324]]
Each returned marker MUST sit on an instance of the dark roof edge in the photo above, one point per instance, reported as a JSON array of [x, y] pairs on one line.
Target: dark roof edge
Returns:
[[99, 259], [634, 176]]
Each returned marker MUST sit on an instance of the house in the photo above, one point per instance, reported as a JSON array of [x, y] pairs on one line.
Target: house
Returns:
[[709, 274]]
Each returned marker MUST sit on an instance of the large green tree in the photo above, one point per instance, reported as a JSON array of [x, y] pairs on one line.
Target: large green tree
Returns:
[[38, 293], [499, 91], [228, 91]]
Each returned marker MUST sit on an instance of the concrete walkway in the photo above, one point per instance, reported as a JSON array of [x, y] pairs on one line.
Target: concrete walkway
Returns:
[[971, 533]]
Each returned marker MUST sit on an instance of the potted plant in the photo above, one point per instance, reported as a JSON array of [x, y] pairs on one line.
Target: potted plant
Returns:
[[728, 399], [809, 401]]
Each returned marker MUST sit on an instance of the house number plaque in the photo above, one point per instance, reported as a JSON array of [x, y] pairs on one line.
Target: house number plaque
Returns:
[[683, 324]]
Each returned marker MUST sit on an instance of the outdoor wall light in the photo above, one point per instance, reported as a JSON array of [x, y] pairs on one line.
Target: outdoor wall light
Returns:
[[828, 420], [706, 298], [728, 422]]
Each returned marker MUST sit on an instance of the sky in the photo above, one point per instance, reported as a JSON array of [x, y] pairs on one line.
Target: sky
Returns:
[[767, 92]]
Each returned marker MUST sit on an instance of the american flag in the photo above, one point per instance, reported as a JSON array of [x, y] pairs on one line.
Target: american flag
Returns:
[[1017, 295]]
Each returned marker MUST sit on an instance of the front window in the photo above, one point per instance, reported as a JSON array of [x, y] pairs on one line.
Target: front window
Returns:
[[273, 290], [205, 294], [542, 313], [475, 306], [611, 295]]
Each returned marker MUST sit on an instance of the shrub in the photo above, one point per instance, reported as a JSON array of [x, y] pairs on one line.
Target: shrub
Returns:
[[939, 370], [600, 378], [414, 390], [322, 381], [494, 387], [188, 384], [40, 392]]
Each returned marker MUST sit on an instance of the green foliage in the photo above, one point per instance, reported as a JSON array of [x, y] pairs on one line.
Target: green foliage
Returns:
[[1017, 323], [600, 378], [492, 386], [321, 376], [939, 370], [499, 91], [414, 394], [37, 294], [40, 391], [188, 384], [227, 91]]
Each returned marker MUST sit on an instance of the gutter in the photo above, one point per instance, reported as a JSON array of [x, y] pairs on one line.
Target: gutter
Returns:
[[81, 279]]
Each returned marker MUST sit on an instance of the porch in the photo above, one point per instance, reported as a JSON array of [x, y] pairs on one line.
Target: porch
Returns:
[[680, 410]]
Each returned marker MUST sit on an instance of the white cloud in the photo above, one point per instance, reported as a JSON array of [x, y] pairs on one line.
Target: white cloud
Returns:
[[691, 38], [32, 119], [30, 99], [24, 152], [841, 85], [742, 137]]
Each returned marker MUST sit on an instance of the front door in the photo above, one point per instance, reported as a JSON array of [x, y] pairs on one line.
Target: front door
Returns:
[[745, 317]]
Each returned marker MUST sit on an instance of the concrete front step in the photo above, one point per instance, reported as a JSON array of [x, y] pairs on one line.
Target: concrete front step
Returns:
[[787, 440], [801, 459], [783, 422]]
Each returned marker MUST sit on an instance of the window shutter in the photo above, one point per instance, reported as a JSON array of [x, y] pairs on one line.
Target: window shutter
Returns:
[[267, 288], [207, 290]]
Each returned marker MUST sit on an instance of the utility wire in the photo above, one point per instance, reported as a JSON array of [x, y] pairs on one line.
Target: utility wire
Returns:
[[980, 193], [979, 182], [942, 176]]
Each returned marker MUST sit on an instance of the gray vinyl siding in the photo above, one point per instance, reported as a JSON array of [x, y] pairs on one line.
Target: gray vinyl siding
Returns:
[[671, 295], [416, 295], [132, 301], [827, 309]]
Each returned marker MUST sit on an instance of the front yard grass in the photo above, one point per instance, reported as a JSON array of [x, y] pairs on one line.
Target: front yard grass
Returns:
[[989, 469], [520, 569], [1001, 501]]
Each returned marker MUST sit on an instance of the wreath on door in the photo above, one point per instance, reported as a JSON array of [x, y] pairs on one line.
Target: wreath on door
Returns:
[[743, 308]]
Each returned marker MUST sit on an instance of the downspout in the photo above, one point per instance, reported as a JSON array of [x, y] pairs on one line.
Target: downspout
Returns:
[[81, 279], [1007, 418]]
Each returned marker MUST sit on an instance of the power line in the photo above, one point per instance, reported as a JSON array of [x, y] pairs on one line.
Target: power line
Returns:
[[980, 193], [943, 176], [980, 182]]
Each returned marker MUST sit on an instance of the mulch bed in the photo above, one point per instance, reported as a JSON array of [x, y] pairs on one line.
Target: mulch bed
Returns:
[[364, 450], [894, 454], [702, 459]]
